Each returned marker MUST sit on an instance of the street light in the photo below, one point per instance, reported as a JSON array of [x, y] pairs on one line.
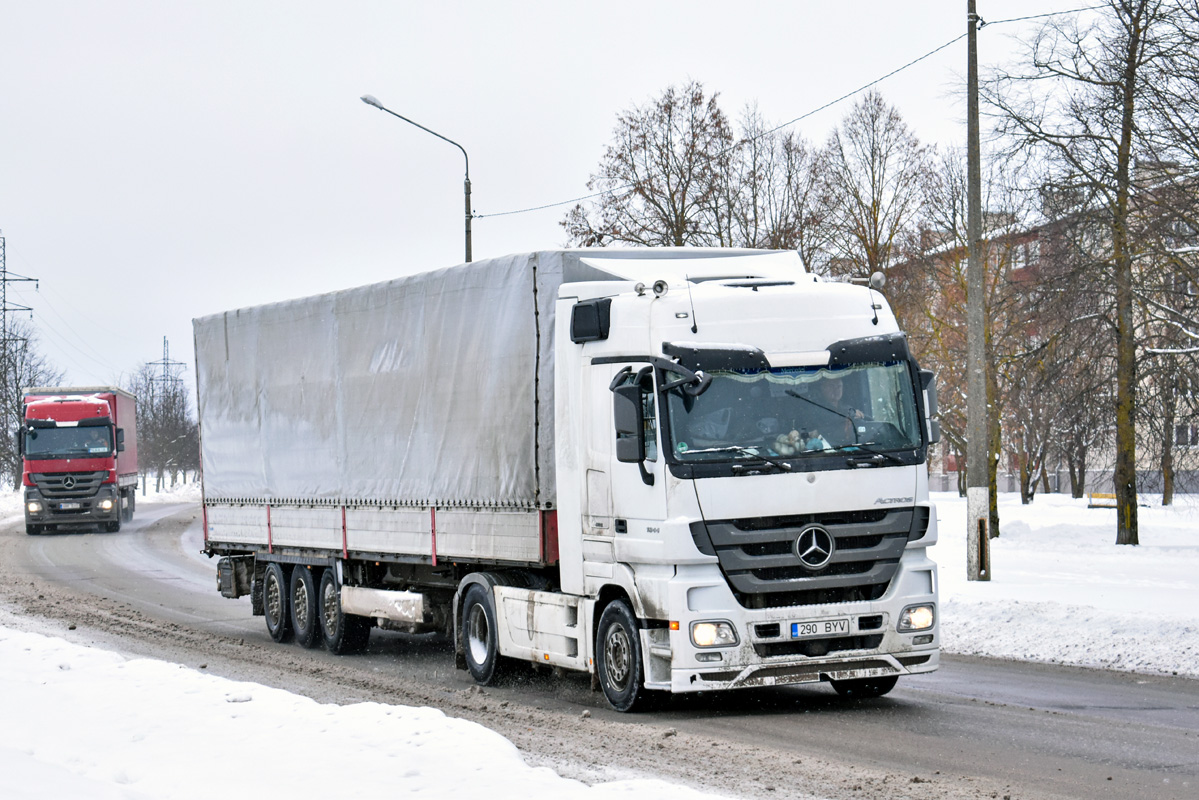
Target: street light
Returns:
[[371, 101]]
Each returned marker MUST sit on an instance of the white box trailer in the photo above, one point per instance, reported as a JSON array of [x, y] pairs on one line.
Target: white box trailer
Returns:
[[600, 460]]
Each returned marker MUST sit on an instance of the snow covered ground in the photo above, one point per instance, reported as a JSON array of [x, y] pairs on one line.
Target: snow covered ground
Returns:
[[86, 723], [1062, 591]]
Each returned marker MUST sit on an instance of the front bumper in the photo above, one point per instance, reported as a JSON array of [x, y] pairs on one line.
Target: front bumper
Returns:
[[73, 510], [769, 652]]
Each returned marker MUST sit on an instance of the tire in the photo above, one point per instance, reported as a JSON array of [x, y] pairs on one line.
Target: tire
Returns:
[[343, 634], [126, 506], [305, 615], [33, 530], [275, 603], [618, 659], [865, 688], [114, 526], [480, 636]]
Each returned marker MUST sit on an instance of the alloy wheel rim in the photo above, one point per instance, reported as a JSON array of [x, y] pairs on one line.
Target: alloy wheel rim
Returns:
[[274, 602], [329, 599], [617, 657]]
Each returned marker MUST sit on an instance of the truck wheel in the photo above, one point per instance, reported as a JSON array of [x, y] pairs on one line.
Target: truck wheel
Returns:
[[114, 526], [274, 603], [865, 688], [305, 617], [343, 633], [618, 659], [480, 641], [33, 530]]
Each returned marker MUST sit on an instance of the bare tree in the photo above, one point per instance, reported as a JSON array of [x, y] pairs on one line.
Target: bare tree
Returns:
[[1083, 105], [877, 176], [168, 443], [660, 176], [21, 367]]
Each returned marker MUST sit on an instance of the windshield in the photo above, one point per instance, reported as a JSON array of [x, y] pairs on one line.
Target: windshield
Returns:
[[796, 412], [86, 442]]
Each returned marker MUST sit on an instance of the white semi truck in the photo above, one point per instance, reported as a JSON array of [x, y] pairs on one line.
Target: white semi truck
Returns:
[[678, 470]]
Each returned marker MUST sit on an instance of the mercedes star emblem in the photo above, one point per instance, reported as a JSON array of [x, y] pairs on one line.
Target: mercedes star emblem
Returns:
[[814, 547], [68, 482]]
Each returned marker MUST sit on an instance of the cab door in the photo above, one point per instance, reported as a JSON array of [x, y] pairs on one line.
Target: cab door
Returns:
[[628, 504]]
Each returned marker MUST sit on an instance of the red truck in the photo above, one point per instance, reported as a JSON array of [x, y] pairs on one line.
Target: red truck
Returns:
[[79, 450]]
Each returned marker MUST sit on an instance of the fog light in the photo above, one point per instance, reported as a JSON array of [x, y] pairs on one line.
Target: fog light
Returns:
[[106, 505], [916, 618], [924, 639], [34, 507], [706, 657], [713, 634]]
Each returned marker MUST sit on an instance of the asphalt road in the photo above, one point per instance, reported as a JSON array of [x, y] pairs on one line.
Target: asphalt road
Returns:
[[975, 728]]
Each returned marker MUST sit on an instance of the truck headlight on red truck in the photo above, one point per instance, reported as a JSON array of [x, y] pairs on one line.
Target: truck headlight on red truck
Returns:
[[106, 504], [34, 507]]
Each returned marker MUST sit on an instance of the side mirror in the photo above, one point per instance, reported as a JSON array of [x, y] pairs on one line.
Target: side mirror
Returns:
[[630, 424], [20, 436], [630, 427], [120, 440], [928, 383]]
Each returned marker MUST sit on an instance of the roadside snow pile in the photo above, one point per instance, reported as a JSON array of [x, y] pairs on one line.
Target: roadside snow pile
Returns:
[[1062, 591], [91, 724]]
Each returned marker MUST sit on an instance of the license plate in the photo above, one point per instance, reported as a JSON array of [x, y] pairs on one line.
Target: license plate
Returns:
[[69, 506], [819, 628]]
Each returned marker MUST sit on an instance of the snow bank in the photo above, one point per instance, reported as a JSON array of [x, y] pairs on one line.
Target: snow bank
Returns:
[[89, 723], [1062, 591]]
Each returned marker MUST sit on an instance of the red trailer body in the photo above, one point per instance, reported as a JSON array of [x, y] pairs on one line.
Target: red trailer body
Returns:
[[79, 449]]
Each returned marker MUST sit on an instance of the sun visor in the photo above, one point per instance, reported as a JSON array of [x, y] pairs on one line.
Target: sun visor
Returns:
[[713, 356], [869, 349]]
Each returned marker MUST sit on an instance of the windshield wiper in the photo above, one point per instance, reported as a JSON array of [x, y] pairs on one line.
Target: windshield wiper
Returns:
[[745, 451], [876, 456]]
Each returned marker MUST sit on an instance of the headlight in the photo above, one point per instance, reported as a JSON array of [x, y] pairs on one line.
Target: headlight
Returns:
[[713, 634], [106, 504], [34, 507], [916, 618]]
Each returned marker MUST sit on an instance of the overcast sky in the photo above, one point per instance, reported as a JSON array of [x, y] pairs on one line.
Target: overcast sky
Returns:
[[163, 161]]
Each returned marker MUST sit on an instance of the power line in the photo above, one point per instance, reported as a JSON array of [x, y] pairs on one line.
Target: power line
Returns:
[[800, 118], [982, 23]]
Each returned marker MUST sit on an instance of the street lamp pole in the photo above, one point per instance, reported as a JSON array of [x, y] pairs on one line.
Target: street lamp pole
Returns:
[[371, 101]]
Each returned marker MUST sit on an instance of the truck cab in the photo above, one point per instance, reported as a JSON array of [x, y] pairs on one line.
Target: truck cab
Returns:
[[75, 467], [747, 456]]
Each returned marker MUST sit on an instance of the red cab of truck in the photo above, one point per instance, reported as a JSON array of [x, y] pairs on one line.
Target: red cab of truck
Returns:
[[79, 451]]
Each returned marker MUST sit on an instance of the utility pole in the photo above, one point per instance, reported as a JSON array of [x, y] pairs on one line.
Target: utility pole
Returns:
[[978, 474], [159, 427], [10, 390], [6, 278], [167, 364]]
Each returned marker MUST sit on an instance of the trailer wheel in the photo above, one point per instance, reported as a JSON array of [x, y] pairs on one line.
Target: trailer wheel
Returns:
[[619, 663], [274, 603], [480, 634], [305, 617], [343, 633], [865, 688]]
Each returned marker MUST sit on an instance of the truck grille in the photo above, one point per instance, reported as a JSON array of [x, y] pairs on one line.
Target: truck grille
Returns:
[[760, 559], [68, 485]]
